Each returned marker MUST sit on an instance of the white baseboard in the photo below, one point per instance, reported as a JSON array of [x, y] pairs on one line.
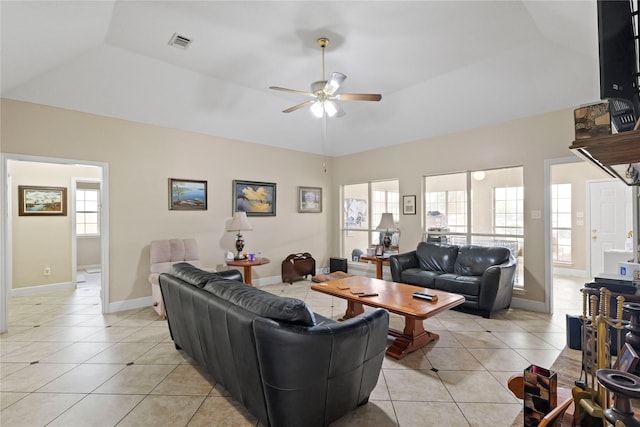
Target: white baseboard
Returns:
[[529, 305], [39, 289], [130, 304]]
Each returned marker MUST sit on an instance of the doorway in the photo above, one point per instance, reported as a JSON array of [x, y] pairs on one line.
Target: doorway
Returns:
[[568, 225], [12, 265]]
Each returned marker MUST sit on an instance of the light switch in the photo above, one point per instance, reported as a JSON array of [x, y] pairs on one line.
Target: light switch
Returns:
[[536, 214], [579, 223]]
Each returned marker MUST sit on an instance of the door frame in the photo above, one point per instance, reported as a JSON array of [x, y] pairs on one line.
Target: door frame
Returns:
[[6, 196], [74, 235]]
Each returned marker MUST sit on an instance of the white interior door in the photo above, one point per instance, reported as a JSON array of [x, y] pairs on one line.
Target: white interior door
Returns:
[[609, 220]]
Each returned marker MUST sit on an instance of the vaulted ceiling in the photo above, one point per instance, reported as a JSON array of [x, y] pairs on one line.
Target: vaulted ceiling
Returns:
[[441, 66]]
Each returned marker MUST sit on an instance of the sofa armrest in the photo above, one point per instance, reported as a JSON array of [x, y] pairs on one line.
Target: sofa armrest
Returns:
[[496, 286], [398, 263], [231, 275], [302, 367]]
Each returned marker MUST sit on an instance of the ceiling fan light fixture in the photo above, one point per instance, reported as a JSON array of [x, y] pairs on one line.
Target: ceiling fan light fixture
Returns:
[[330, 108], [317, 109]]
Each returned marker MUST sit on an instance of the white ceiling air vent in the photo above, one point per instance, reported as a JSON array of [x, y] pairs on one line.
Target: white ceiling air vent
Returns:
[[180, 41]]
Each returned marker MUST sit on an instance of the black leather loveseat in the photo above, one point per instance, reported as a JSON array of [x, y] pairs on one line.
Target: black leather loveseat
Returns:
[[287, 365], [483, 275]]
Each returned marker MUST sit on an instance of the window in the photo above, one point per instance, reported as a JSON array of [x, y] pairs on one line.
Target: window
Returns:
[[508, 210], [483, 208], [561, 223], [87, 212], [363, 206]]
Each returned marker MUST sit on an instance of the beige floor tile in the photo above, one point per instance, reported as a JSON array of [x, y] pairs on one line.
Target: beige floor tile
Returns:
[[458, 324], [414, 360], [10, 368], [415, 385], [35, 351], [452, 358], [520, 340], [77, 353], [110, 334], [184, 380], [496, 325], [543, 358], [500, 359], [38, 409], [122, 353], [447, 339], [374, 413], [429, 414], [475, 386], [148, 334], [34, 376], [98, 410], [82, 379], [136, 379], [163, 410], [556, 339], [380, 392], [9, 398], [478, 339], [225, 411], [164, 353], [490, 414]]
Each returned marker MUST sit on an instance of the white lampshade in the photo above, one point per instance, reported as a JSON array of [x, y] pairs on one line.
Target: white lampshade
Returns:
[[386, 223], [239, 222]]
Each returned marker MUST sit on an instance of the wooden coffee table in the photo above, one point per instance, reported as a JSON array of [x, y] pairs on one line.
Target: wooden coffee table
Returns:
[[396, 298]]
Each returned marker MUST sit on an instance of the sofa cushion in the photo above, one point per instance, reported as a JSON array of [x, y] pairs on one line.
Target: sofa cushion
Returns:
[[419, 277], [436, 257], [191, 274], [463, 285], [264, 304], [474, 260]]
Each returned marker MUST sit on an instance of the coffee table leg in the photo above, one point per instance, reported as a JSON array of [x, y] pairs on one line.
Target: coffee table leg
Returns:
[[353, 309], [412, 338]]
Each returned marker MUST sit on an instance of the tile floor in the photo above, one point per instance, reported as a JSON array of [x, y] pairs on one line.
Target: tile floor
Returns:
[[62, 363]]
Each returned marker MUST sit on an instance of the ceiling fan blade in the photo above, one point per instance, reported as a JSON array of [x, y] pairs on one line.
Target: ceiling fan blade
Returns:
[[297, 107], [333, 83], [359, 96], [284, 89]]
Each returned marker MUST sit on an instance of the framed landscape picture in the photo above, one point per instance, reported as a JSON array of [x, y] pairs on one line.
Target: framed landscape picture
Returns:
[[309, 199], [187, 195], [254, 198], [43, 201]]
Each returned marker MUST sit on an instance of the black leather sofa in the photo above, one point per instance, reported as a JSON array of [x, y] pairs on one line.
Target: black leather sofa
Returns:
[[287, 365], [483, 275]]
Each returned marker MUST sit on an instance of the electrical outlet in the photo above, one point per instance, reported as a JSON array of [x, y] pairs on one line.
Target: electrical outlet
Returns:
[[46, 271]]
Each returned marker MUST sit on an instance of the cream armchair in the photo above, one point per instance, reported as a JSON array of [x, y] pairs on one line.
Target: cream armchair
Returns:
[[165, 253]]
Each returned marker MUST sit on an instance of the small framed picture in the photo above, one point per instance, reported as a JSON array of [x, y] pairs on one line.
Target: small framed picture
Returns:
[[627, 359], [187, 195], [310, 199], [379, 250], [409, 205], [43, 201]]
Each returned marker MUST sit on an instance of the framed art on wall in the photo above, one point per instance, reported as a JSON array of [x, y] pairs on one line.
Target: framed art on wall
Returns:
[[42, 201], [254, 198], [310, 199], [187, 195], [409, 205]]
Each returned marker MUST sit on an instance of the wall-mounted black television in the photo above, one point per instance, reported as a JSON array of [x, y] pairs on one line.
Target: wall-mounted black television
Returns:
[[618, 51]]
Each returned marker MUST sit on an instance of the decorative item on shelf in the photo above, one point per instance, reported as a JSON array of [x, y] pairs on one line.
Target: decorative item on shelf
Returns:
[[388, 226], [239, 224]]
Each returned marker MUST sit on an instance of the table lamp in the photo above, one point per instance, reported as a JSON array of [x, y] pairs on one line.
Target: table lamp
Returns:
[[239, 224], [388, 226]]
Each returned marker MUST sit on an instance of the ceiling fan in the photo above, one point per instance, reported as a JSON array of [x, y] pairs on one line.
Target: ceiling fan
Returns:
[[323, 93]]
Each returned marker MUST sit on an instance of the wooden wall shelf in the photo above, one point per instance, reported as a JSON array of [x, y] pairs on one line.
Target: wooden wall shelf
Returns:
[[617, 154]]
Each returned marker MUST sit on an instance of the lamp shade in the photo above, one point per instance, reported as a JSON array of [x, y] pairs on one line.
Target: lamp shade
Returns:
[[239, 222], [386, 223]]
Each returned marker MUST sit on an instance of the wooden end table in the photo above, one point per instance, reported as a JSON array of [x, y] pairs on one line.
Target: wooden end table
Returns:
[[380, 261], [396, 298], [246, 264]]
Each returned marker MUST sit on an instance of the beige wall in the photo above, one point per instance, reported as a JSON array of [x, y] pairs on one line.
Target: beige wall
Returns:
[[527, 142], [40, 241], [141, 158]]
